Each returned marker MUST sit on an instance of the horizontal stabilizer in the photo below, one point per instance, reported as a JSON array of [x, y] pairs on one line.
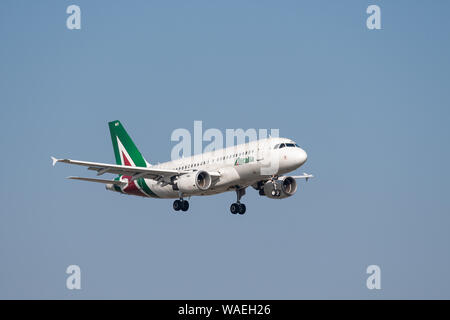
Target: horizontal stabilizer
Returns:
[[116, 182]]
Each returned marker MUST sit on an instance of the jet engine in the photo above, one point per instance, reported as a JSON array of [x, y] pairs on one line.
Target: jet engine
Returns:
[[278, 189], [194, 182]]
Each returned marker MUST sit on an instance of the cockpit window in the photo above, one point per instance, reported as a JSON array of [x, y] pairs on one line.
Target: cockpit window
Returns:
[[289, 145]]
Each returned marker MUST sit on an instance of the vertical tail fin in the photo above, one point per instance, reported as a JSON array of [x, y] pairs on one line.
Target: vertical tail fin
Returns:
[[125, 151]]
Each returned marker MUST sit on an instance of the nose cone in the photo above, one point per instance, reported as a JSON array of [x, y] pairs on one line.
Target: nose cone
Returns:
[[301, 156]]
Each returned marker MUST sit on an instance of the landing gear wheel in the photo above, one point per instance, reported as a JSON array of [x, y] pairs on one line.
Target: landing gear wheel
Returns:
[[242, 208], [276, 193], [177, 205], [184, 205], [234, 208], [238, 207]]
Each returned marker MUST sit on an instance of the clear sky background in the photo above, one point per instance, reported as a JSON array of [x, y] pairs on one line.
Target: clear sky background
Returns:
[[371, 108]]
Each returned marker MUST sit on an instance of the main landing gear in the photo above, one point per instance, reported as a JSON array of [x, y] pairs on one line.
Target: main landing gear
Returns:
[[181, 204], [238, 207]]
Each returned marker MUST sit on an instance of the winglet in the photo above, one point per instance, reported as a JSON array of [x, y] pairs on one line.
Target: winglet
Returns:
[[54, 160], [307, 176]]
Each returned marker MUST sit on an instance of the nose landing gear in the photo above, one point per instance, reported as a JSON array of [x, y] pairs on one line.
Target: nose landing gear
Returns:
[[276, 193]]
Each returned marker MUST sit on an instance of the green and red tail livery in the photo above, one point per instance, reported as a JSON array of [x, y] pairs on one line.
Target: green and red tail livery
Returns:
[[125, 151], [127, 154]]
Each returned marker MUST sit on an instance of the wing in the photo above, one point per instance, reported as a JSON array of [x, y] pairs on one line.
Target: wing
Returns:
[[304, 176], [134, 172]]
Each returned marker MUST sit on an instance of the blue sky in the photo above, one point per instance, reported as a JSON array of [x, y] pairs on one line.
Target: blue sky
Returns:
[[371, 108]]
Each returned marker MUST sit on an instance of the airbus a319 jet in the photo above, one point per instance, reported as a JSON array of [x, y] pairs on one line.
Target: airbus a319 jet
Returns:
[[261, 164]]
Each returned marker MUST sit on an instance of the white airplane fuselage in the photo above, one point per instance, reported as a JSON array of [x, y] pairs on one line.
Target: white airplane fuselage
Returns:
[[239, 166], [261, 164]]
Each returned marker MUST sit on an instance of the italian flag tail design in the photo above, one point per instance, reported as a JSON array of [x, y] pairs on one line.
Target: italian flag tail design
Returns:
[[127, 154], [125, 151]]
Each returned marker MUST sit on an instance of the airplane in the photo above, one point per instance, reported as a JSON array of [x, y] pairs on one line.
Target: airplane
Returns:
[[230, 169]]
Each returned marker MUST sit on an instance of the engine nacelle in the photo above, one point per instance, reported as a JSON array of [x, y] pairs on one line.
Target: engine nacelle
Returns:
[[278, 189], [194, 182]]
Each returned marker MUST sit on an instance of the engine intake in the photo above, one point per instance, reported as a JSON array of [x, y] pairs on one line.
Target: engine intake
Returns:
[[278, 189], [191, 183], [289, 186], [203, 180]]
